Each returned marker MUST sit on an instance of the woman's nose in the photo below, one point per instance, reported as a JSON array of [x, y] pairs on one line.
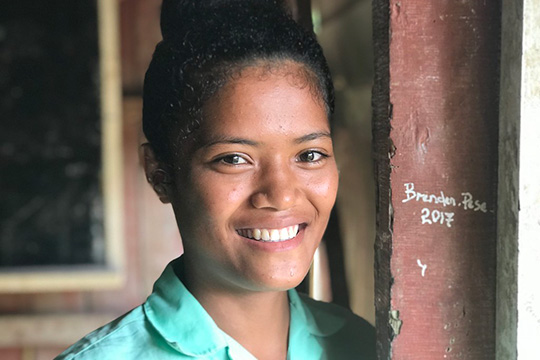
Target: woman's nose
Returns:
[[277, 189]]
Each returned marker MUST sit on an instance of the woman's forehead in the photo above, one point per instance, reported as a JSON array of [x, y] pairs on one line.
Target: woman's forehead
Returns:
[[279, 101]]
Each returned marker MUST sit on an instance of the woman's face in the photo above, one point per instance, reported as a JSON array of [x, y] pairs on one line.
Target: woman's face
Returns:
[[254, 197]]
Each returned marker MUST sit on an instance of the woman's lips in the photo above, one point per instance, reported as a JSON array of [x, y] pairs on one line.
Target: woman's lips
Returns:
[[270, 235]]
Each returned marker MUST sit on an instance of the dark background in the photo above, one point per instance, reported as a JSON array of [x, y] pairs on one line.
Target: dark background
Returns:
[[50, 151]]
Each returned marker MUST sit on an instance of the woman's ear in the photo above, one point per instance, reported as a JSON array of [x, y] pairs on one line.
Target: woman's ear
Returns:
[[157, 174]]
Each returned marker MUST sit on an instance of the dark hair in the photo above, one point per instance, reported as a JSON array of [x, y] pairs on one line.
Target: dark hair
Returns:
[[206, 42]]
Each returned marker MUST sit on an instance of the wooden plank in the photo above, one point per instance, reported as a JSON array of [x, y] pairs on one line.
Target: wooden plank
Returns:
[[140, 32], [47, 280], [383, 149], [508, 181], [48, 330]]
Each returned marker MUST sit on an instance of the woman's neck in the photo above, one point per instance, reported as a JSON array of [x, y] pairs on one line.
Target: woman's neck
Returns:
[[259, 321]]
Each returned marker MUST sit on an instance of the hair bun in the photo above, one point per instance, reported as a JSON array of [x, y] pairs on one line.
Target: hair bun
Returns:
[[205, 44], [180, 16]]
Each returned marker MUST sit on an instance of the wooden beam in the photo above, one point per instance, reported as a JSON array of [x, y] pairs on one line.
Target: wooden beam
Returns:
[[58, 330], [436, 137]]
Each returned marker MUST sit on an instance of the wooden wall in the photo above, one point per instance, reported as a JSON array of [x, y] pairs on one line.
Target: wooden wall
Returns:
[[41, 325]]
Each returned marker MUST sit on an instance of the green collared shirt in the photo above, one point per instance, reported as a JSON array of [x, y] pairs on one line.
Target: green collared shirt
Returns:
[[171, 324]]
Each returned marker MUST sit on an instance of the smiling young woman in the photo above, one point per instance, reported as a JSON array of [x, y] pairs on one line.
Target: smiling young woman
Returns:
[[259, 184], [237, 105]]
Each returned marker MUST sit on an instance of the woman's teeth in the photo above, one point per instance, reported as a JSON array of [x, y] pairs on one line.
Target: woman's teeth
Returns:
[[272, 235]]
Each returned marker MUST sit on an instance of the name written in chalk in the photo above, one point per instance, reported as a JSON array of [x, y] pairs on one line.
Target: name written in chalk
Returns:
[[435, 216]]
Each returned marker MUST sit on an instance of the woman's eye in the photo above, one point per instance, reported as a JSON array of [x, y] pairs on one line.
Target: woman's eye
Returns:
[[233, 160], [311, 156]]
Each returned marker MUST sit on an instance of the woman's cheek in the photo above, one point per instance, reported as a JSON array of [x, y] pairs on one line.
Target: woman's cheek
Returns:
[[324, 184], [220, 193]]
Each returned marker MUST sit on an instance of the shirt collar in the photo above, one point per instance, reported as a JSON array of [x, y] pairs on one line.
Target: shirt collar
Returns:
[[180, 318], [186, 326]]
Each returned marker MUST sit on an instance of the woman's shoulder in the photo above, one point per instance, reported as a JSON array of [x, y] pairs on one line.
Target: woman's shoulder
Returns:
[[112, 340], [345, 335]]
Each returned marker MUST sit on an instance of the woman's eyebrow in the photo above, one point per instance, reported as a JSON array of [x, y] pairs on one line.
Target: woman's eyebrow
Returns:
[[242, 141], [229, 140], [313, 136]]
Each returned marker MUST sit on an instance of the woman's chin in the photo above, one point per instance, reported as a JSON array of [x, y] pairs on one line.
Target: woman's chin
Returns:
[[280, 281]]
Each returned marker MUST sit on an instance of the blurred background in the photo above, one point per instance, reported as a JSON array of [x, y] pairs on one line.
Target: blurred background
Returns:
[[82, 235]]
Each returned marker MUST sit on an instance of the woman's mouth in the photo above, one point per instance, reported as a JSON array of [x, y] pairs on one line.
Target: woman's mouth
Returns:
[[270, 235]]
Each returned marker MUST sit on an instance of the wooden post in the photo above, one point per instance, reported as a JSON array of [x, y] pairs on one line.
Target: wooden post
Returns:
[[435, 141], [518, 252]]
